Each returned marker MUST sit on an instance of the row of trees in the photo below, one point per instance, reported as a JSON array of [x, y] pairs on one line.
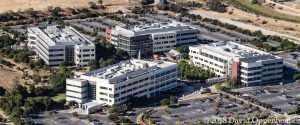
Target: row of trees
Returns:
[[192, 72], [285, 44], [172, 100]]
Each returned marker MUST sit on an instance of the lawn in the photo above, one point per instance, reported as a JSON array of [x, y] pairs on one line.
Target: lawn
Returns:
[[59, 97], [260, 10]]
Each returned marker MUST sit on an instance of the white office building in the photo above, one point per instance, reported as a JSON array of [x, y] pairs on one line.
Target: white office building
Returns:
[[55, 44], [247, 65], [151, 38], [117, 83]]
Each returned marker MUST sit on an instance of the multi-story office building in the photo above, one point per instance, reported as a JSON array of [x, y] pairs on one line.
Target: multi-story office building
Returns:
[[55, 44], [151, 38], [247, 65], [117, 83]]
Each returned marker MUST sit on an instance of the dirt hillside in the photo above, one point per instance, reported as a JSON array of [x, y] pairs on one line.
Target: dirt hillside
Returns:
[[15, 5]]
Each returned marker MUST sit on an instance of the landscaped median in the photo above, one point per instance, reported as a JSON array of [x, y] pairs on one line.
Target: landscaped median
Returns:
[[145, 118]]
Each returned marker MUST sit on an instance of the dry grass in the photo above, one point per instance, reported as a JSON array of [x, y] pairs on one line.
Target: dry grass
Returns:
[[274, 25], [8, 77], [15, 5]]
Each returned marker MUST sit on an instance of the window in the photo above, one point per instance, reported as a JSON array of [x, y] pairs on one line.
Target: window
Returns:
[[105, 88], [86, 50], [103, 93], [103, 99], [85, 55]]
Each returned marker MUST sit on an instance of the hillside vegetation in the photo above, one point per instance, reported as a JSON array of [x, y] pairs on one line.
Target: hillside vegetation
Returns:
[[260, 10]]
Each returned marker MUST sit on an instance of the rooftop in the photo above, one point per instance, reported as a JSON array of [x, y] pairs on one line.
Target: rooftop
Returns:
[[236, 50], [153, 27], [127, 67], [60, 35]]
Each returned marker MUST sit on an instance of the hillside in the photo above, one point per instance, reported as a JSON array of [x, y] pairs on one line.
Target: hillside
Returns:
[[16, 5]]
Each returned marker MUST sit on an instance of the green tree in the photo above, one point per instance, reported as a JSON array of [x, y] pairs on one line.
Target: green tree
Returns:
[[219, 86], [294, 109], [93, 65], [113, 117], [36, 78], [173, 100], [165, 102], [255, 114], [254, 1], [74, 114], [47, 101], [124, 120]]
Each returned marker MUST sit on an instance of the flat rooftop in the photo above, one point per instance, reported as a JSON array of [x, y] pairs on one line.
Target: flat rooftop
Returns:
[[127, 67], [156, 26], [236, 50], [60, 35]]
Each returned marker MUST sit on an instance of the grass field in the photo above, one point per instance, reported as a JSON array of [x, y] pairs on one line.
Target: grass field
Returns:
[[59, 97], [257, 9]]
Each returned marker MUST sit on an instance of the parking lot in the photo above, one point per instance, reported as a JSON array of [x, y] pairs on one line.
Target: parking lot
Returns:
[[280, 97], [60, 118], [201, 109]]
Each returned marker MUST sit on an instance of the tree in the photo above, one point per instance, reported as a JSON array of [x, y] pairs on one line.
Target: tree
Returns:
[[173, 100], [216, 5], [146, 115], [294, 109], [88, 117], [74, 114], [40, 91], [144, 2], [192, 72], [124, 120], [200, 122], [100, 2], [36, 78], [47, 101], [167, 112], [255, 114], [113, 117], [165, 102], [121, 54], [92, 5], [28, 121], [254, 1], [265, 114], [2, 91], [72, 103], [93, 65], [219, 86]]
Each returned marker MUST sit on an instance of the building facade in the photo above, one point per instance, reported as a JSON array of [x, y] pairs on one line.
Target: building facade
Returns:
[[117, 83], [55, 44], [153, 38], [247, 65]]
